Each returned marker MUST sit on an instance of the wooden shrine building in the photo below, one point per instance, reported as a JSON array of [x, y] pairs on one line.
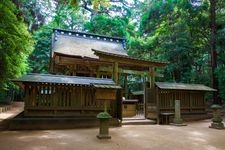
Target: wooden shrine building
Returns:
[[84, 54], [85, 69], [162, 99], [91, 55]]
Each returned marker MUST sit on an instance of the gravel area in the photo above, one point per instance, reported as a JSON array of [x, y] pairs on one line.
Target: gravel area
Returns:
[[194, 136]]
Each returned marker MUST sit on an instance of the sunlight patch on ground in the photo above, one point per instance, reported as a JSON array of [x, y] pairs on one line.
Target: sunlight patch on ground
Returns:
[[209, 147], [196, 133], [39, 148], [5, 115]]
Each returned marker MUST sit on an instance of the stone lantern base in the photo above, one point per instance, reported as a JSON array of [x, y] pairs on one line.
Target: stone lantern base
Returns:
[[104, 125], [217, 125], [217, 120]]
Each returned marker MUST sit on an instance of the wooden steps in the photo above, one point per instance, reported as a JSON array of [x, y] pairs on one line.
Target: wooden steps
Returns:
[[138, 122]]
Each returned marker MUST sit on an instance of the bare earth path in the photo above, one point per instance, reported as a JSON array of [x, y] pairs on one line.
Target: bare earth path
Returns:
[[195, 136]]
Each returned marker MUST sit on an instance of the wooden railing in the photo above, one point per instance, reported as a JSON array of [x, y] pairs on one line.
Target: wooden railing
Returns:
[[48, 99]]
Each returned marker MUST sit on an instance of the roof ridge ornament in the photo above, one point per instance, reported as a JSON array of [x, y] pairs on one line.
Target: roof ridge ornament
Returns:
[[91, 36]]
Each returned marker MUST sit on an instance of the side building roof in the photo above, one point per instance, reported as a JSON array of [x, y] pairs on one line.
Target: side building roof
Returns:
[[62, 79], [80, 44], [183, 86]]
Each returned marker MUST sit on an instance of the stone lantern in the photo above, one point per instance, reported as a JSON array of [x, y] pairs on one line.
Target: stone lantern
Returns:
[[104, 125], [216, 120]]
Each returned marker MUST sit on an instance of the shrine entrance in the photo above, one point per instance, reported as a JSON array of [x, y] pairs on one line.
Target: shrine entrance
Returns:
[[135, 104]]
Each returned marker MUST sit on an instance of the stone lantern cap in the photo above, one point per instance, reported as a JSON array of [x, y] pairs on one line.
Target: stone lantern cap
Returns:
[[104, 115], [216, 106]]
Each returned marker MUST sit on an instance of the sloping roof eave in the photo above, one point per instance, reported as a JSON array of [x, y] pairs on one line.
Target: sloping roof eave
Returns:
[[184, 86], [62, 79]]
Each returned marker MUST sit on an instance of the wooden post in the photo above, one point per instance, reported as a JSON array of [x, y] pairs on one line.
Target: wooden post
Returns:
[[125, 86], [75, 70], [98, 72], [115, 72], [152, 76]]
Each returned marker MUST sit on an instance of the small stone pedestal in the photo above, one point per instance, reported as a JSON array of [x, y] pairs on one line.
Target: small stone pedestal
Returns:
[[104, 125], [217, 120]]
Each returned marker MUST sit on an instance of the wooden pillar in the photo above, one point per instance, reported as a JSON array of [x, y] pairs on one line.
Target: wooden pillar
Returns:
[[75, 70], [152, 76], [98, 72], [125, 86], [115, 72]]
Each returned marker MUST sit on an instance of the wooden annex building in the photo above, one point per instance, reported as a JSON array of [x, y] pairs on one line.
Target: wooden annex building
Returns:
[[192, 99], [59, 95]]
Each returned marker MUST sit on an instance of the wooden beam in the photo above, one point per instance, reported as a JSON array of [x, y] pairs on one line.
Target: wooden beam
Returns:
[[106, 69], [64, 60], [121, 59], [124, 71], [152, 76]]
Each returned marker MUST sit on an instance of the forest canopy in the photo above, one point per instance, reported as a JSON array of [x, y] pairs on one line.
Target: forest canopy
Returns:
[[177, 31]]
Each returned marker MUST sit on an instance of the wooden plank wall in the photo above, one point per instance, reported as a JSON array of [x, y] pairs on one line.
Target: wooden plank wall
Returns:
[[191, 101], [49, 99]]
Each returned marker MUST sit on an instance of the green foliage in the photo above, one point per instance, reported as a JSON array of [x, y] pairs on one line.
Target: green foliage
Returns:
[[97, 4], [220, 74], [67, 17], [35, 12], [39, 59], [15, 44], [177, 32], [108, 26]]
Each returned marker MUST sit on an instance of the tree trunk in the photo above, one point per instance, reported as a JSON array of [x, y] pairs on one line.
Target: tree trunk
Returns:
[[216, 99]]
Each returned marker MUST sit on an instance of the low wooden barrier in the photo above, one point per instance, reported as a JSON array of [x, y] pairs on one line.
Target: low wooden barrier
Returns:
[[49, 99]]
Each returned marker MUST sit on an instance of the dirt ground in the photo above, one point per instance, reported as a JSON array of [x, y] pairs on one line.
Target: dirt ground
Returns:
[[195, 136]]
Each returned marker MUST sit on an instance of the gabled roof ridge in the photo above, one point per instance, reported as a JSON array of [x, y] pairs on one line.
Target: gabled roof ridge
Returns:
[[89, 34]]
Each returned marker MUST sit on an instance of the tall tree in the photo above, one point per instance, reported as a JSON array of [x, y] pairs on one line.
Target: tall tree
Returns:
[[35, 12], [118, 26], [15, 44], [216, 98]]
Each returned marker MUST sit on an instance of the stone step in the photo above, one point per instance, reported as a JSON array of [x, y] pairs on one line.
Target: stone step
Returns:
[[138, 122], [45, 123]]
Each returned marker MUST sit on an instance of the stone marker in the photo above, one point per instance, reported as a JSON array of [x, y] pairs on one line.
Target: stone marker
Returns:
[[216, 120], [177, 116]]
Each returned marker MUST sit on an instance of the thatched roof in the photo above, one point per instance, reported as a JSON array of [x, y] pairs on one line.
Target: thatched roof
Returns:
[[183, 86], [81, 44]]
